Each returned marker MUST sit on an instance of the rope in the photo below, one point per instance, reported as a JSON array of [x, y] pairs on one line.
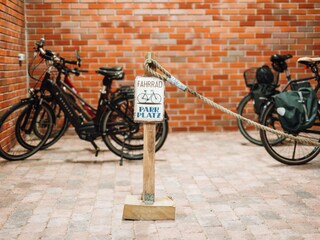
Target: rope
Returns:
[[168, 77]]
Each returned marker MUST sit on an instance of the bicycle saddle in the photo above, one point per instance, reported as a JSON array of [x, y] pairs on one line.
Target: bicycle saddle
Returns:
[[114, 68], [308, 60], [280, 58], [111, 75]]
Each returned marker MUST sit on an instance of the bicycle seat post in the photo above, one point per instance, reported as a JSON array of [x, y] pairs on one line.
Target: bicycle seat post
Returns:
[[288, 75]]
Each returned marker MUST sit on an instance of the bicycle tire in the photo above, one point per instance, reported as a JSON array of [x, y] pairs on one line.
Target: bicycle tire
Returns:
[[287, 151], [122, 140], [20, 142], [246, 109]]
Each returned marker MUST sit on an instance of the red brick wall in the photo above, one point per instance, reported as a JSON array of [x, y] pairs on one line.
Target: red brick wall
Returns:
[[205, 43], [12, 42]]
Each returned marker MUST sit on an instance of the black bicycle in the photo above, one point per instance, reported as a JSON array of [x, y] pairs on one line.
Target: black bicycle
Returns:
[[251, 106], [26, 127], [283, 149]]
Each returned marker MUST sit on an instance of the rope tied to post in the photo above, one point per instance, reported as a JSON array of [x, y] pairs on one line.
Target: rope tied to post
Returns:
[[166, 77], [151, 64]]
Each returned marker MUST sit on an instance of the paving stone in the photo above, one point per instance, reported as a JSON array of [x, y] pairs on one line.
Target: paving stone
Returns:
[[29, 236], [169, 233], [12, 233], [222, 186], [51, 233]]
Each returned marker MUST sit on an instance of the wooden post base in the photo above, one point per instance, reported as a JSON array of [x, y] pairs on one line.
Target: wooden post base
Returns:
[[135, 209]]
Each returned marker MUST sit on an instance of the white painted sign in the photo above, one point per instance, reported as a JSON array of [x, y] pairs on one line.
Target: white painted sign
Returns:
[[149, 99]]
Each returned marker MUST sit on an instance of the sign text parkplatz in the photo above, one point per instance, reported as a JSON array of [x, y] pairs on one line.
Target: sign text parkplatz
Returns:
[[149, 99]]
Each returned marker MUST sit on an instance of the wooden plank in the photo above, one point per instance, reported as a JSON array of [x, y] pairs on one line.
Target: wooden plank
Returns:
[[162, 209]]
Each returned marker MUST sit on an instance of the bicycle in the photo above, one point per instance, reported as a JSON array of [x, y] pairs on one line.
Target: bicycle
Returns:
[[251, 105], [113, 121], [151, 98], [284, 150], [86, 110]]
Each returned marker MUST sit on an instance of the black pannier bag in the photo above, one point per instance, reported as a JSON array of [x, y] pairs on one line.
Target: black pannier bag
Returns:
[[297, 110], [264, 75], [262, 83], [261, 94]]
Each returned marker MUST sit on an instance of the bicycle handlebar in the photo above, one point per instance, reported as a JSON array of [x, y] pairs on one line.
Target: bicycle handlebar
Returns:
[[49, 55], [40, 43], [59, 62], [74, 71], [64, 61]]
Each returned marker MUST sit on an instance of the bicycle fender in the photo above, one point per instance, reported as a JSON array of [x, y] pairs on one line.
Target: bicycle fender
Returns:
[[264, 109], [166, 116], [249, 94]]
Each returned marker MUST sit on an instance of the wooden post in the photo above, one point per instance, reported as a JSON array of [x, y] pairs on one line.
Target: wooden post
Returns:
[[148, 193], [147, 206]]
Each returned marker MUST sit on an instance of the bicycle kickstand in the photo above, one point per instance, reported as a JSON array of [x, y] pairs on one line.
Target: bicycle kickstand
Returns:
[[95, 147]]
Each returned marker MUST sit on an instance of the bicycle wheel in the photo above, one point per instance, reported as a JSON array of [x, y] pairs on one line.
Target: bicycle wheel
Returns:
[[246, 109], [285, 150], [17, 129], [125, 139]]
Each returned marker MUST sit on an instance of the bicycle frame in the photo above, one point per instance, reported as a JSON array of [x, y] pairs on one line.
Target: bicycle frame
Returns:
[[87, 110], [290, 82], [61, 100]]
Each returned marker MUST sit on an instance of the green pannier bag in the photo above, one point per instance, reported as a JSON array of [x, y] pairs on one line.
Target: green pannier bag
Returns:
[[297, 110]]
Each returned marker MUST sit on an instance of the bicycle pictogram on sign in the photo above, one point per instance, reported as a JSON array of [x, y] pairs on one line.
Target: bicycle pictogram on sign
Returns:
[[149, 97]]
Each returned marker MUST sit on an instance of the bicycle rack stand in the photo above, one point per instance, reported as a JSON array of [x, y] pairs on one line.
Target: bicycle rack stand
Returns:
[[147, 206]]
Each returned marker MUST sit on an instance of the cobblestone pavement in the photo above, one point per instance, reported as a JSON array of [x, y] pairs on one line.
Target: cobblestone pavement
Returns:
[[222, 186]]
